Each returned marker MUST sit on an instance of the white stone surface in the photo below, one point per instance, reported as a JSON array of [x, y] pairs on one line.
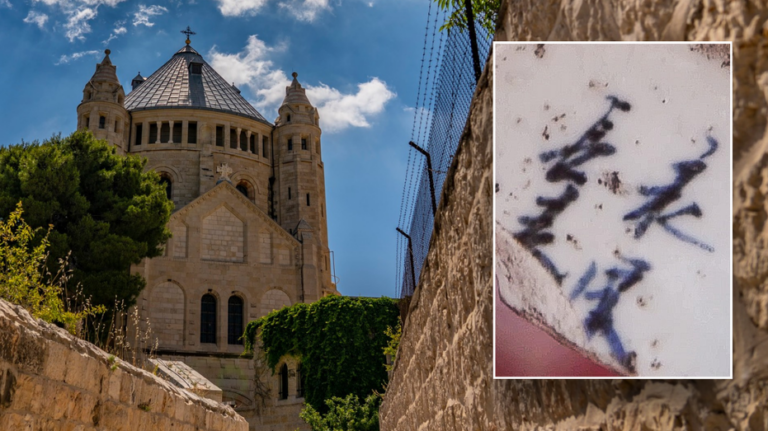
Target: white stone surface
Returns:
[[676, 319]]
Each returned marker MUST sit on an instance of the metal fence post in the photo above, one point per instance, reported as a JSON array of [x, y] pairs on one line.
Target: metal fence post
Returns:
[[473, 38], [410, 252], [429, 171]]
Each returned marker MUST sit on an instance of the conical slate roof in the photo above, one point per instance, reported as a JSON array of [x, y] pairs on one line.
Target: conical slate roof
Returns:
[[105, 71], [174, 86], [294, 93]]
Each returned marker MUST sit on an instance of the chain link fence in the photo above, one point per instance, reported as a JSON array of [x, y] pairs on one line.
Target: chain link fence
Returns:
[[447, 80]]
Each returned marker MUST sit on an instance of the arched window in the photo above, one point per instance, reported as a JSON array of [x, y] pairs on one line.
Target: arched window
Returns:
[[242, 188], [284, 382], [208, 319], [245, 188], [243, 141], [235, 320], [165, 180], [288, 118]]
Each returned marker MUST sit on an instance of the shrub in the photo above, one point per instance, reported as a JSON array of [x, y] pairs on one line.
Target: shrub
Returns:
[[26, 281]]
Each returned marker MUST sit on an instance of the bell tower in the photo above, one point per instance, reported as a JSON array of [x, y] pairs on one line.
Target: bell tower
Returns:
[[102, 110], [300, 187]]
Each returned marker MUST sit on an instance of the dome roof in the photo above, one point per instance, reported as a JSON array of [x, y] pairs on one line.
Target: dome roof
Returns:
[[187, 81]]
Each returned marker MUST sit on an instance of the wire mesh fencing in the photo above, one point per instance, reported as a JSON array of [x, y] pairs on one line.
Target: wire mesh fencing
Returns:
[[447, 81]]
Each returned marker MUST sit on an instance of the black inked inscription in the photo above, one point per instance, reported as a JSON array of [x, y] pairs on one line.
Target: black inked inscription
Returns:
[[564, 162], [600, 319], [662, 196]]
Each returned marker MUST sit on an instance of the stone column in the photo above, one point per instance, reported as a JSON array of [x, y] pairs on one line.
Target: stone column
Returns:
[[237, 131], [93, 122], [159, 131], [226, 136], [170, 132], [248, 141], [144, 133]]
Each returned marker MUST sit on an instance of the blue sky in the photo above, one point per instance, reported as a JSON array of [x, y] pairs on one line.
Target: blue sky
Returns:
[[359, 60]]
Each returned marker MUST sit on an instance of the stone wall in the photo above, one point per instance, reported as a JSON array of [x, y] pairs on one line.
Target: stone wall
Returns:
[[50, 380], [443, 379]]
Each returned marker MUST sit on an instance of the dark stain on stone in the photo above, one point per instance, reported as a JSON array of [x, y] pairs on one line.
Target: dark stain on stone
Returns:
[[497, 187], [540, 51], [96, 414], [30, 351], [7, 389], [545, 133]]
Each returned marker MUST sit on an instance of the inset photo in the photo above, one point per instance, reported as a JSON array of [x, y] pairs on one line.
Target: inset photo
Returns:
[[612, 209]]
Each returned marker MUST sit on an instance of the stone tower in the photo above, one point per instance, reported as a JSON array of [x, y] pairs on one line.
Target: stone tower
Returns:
[[300, 180], [102, 109]]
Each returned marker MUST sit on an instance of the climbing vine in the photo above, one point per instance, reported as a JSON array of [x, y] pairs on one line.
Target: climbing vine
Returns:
[[339, 341]]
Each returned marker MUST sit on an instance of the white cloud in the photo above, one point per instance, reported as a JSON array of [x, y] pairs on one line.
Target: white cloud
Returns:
[[253, 68], [36, 18], [110, 3], [240, 7], [339, 111], [6, 3], [52, 2], [77, 23], [67, 58], [119, 29], [145, 13], [305, 10], [77, 13]]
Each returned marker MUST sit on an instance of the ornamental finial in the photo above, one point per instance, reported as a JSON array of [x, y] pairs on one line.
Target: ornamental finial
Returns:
[[188, 32]]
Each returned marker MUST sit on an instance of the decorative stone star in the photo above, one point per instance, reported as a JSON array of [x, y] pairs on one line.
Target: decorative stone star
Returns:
[[225, 171]]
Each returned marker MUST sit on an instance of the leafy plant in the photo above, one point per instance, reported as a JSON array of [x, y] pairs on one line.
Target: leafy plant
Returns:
[[345, 414], [339, 341], [100, 206], [485, 13], [393, 343], [25, 279]]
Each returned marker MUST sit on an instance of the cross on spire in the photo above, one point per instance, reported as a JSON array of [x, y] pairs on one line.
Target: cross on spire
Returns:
[[188, 32]]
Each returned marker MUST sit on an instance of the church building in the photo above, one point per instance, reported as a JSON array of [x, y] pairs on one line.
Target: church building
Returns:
[[249, 226]]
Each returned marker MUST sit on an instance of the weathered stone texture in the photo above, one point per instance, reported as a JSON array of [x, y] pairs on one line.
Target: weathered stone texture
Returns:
[[273, 300], [443, 377], [50, 380], [222, 236]]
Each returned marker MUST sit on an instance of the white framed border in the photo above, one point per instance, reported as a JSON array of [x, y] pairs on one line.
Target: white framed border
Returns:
[[729, 227]]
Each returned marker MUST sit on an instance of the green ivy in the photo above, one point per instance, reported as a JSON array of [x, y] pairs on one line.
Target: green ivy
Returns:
[[346, 414], [339, 341]]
